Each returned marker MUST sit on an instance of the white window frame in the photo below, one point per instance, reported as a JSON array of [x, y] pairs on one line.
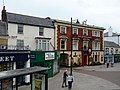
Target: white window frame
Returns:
[[75, 30], [20, 44], [61, 29], [85, 43], [96, 45], [85, 32], [96, 33], [64, 43], [75, 45], [43, 44]]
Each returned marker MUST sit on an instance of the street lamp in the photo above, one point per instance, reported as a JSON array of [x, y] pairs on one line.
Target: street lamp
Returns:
[[72, 44], [71, 48]]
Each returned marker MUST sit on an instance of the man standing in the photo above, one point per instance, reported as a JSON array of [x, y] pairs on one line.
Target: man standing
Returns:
[[64, 79], [70, 81]]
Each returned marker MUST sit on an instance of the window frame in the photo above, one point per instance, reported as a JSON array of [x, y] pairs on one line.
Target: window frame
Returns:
[[61, 29], [20, 44], [64, 44], [41, 31], [20, 29], [73, 31]]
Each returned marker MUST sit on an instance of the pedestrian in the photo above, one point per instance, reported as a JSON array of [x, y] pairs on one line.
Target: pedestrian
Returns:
[[107, 64], [70, 81], [64, 79], [112, 64]]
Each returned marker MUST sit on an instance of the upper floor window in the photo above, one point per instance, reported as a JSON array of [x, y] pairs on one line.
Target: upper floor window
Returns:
[[63, 45], [20, 29], [20, 44], [63, 30], [75, 45], [96, 45], [42, 44], [85, 32], [96, 33], [75, 30], [41, 31]]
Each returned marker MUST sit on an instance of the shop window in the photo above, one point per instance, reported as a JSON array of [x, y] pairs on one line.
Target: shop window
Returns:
[[96, 58]]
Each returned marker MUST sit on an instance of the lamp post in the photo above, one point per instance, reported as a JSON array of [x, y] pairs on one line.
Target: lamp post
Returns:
[[71, 48]]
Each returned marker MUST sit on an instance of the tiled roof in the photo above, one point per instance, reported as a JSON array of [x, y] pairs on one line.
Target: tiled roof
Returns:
[[3, 29], [29, 20], [111, 44]]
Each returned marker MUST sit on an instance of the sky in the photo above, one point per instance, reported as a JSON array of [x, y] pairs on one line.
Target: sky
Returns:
[[103, 13]]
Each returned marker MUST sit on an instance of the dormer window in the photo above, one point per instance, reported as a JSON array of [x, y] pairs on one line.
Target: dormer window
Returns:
[[75, 30], [63, 30]]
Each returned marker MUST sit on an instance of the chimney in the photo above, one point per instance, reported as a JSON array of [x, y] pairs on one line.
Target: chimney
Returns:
[[4, 15]]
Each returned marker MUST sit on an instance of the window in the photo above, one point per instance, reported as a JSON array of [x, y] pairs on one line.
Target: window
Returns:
[[63, 45], [96, 46], [75, 45], [20, 44], [42, 44], [96, 33], [63, 30], [75, 30], [41, 31], [85, 32], [20, 29]]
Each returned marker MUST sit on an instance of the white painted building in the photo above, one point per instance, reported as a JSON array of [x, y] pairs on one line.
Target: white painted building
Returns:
[[113, 37], [28, 33]]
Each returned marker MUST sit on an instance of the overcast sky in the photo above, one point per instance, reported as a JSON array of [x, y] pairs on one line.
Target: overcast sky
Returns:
[[103, 13]]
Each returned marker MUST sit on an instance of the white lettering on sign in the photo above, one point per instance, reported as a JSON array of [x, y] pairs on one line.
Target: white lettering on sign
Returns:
[[49, 55], [6, 58]]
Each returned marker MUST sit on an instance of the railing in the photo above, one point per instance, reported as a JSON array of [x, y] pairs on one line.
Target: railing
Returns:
[[13, 47]]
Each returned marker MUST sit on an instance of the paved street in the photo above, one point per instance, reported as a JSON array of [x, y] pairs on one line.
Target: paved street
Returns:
[[86, 79]]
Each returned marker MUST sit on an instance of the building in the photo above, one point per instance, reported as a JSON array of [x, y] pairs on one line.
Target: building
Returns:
[[111, 36], [112, 52], [87, 43], [23, 34]]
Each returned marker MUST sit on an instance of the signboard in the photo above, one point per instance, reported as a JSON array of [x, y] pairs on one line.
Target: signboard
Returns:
[[11, 57], [49, 55]]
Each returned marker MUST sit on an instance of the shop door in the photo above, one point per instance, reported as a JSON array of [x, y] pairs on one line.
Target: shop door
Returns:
[[21, 79]]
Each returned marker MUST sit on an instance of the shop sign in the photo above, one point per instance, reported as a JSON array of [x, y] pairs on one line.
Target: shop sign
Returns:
[[13, 57], [49, 55], [6, 58]]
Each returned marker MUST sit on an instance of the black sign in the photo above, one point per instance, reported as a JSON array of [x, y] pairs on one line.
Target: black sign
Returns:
[[13, 57]]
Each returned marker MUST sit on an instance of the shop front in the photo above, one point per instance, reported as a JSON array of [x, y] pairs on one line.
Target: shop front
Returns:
[[12, 60], [46, 59]]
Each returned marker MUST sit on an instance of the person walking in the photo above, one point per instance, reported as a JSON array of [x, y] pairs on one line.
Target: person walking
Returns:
[[64, 79], [70, 81]]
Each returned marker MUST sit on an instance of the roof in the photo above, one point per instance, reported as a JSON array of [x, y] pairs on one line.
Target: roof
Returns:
[[29, 20], [78, 24], [3, 29], [113, 34], [19, 72], [111, 44]]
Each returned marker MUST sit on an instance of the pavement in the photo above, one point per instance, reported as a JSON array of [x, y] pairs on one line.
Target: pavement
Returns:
[[85, 81]]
